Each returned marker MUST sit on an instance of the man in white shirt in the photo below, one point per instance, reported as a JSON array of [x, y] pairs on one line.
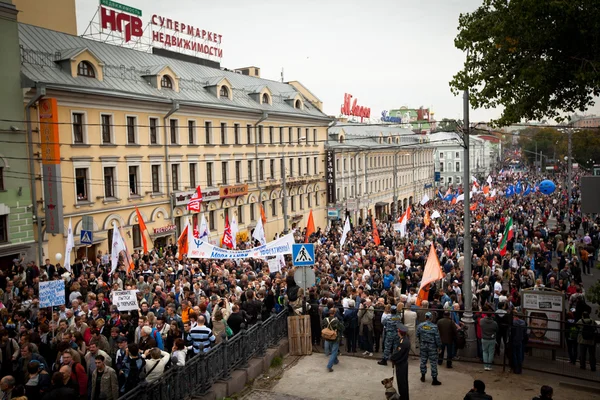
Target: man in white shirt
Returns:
[[497, 291]]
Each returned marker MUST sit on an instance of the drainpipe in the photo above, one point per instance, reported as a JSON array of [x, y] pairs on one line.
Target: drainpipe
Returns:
[[173, 110], [40, 91], [263, 117]]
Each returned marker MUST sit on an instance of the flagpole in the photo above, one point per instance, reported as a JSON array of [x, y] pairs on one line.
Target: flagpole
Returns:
[[470, 349]]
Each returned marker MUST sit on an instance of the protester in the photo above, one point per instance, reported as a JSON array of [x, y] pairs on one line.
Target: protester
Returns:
[[478, 392], [334, 329], [546, 393]]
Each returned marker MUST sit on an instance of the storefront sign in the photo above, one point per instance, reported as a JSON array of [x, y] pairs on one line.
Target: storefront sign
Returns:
[[234, 191], [330, 176], [164, 229], [386, 118], [51, 172], [351, 108], [166, 32], [333, 213], [182, 198]]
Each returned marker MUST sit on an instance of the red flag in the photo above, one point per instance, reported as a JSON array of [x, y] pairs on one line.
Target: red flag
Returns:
[[227, 239], [473, 207], [376, 238], [486, 189], [182, 242], [194, 203], [405, 217], [431, 273], [310, 227], [427, 218], [143, 229]]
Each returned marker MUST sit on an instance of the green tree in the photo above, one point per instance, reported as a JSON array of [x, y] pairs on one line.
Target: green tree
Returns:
[[535, 58], [448, 125]]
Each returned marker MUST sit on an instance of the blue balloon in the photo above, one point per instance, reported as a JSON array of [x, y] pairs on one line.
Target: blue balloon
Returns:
[[547, 187]]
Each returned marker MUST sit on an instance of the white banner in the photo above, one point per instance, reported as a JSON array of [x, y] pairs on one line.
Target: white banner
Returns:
[[125, 300], [274, 265], [202, 249], [52, 293]]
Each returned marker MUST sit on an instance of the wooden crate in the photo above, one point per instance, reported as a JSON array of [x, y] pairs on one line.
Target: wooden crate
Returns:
[[299, 335]]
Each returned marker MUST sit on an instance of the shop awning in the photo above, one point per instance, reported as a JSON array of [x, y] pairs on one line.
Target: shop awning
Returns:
[[381, 204]]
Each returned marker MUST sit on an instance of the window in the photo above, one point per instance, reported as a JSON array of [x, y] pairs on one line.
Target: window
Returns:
[[280, 135], [282, 167], [166, 82], [315, 166], [78, 128], [240, 214], [193, 170], [314, 136], [175, 176], [3, 228], [271, 134], [131, 126], [236, 133], [307, 165], [249, 134], [272, 169], [133, 180], [223, 133], [265, 98], [106, 128], [306, 135], [109, 182], [309, 199], [293, 203], [457, 179], [457, 166], [192, 132], [81, 183], [301, 202], [457, 155], [238, 172], [224, 91], [173, 128], [153, 131], [224, 173], [156, 179], [449, 180], [298, 104], [137, 236], [211, 221], [441, 179], [289, 135], [86, 69], [209, 174], [441, 167], [317, 199], [449, 167], [260, 134], [252, 212], [291, 167], [299, 166], [207, 132], [299, 134], [250, 171], [274, 208], [261, 170]]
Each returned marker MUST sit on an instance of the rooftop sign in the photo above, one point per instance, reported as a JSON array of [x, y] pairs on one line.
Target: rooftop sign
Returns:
[[351, 108]]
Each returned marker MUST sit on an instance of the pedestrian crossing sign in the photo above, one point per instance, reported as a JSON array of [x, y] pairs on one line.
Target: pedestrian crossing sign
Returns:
[[303, 254]]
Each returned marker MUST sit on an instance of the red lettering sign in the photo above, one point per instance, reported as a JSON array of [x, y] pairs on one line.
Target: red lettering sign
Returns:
[[121, 22], [351, 108]]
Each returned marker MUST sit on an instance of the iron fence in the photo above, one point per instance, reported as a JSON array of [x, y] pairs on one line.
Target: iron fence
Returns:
[[203, 370]]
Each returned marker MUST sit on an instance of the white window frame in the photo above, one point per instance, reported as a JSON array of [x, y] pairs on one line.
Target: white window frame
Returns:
[[135, 132], [210, 135], [84, 127], [158, 141], [160, 177], [138, 164], [194, 133], [226, 134], [177, 133], [112, 129], [115, 165], [84, 165], [193, 185]]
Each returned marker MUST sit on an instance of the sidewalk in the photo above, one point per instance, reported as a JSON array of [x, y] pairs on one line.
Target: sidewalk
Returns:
[[359, 378]]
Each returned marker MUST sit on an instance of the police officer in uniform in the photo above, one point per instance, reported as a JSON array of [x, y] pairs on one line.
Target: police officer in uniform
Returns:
[[400, 361], [391, 339], [430, 342]]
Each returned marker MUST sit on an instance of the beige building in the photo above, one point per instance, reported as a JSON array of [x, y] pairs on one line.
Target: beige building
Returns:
[[141, 130], [379, 170], [57, 15]]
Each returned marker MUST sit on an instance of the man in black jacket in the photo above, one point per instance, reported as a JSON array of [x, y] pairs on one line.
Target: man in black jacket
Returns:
[[236, 319], [478, 392], [252, 307], [400, 360]]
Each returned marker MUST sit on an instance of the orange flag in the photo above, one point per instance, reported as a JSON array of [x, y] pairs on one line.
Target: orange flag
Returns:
[[427, 218], [128, 259], [432, 272], [310, 227], [473, 207], [182, 242], [486, 189], [143, 229], [262, 215], [376, 238]]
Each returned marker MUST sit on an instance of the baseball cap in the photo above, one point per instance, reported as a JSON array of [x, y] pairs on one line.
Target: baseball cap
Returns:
[[121, 339]]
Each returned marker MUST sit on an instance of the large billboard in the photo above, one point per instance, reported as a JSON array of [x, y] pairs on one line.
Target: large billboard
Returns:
[[330, 176]]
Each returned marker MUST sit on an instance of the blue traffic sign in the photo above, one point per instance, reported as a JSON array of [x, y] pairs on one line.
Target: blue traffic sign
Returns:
[[86, 237], [303, 254]]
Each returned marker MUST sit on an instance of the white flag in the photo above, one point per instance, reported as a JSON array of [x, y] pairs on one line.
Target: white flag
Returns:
[[493, 194], [489, 180], [259, 232], [473, 179], [280, 261], [118, 245], [69, 248], [234, 230], [203, 231], [345, 232], [474, 190], [424, 200], [460, 197], [435, 214]]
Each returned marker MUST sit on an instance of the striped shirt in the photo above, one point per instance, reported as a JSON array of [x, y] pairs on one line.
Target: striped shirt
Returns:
[[202, 338]]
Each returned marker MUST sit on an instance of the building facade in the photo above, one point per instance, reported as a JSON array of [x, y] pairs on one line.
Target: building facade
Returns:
[[449, 158], [16, 229], [142, 130], [379, 170]]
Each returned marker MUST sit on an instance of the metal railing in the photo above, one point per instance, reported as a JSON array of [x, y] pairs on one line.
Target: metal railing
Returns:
[[203, 370]]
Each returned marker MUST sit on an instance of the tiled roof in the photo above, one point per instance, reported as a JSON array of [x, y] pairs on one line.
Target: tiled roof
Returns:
[[124, 70]]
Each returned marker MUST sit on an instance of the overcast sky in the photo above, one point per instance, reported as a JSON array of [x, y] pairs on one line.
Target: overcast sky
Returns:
[[387, 54]]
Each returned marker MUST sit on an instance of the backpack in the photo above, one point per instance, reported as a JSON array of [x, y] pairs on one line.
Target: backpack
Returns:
[[327, 333], [137, 373], [588, 332]]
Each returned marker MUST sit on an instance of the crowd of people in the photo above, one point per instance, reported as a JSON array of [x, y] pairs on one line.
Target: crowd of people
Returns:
[[89, 349]]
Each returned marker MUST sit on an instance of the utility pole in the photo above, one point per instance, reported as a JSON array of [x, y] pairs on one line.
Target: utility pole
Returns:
[[569, 178], [470, 349], [395, 198], [284, 199]]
